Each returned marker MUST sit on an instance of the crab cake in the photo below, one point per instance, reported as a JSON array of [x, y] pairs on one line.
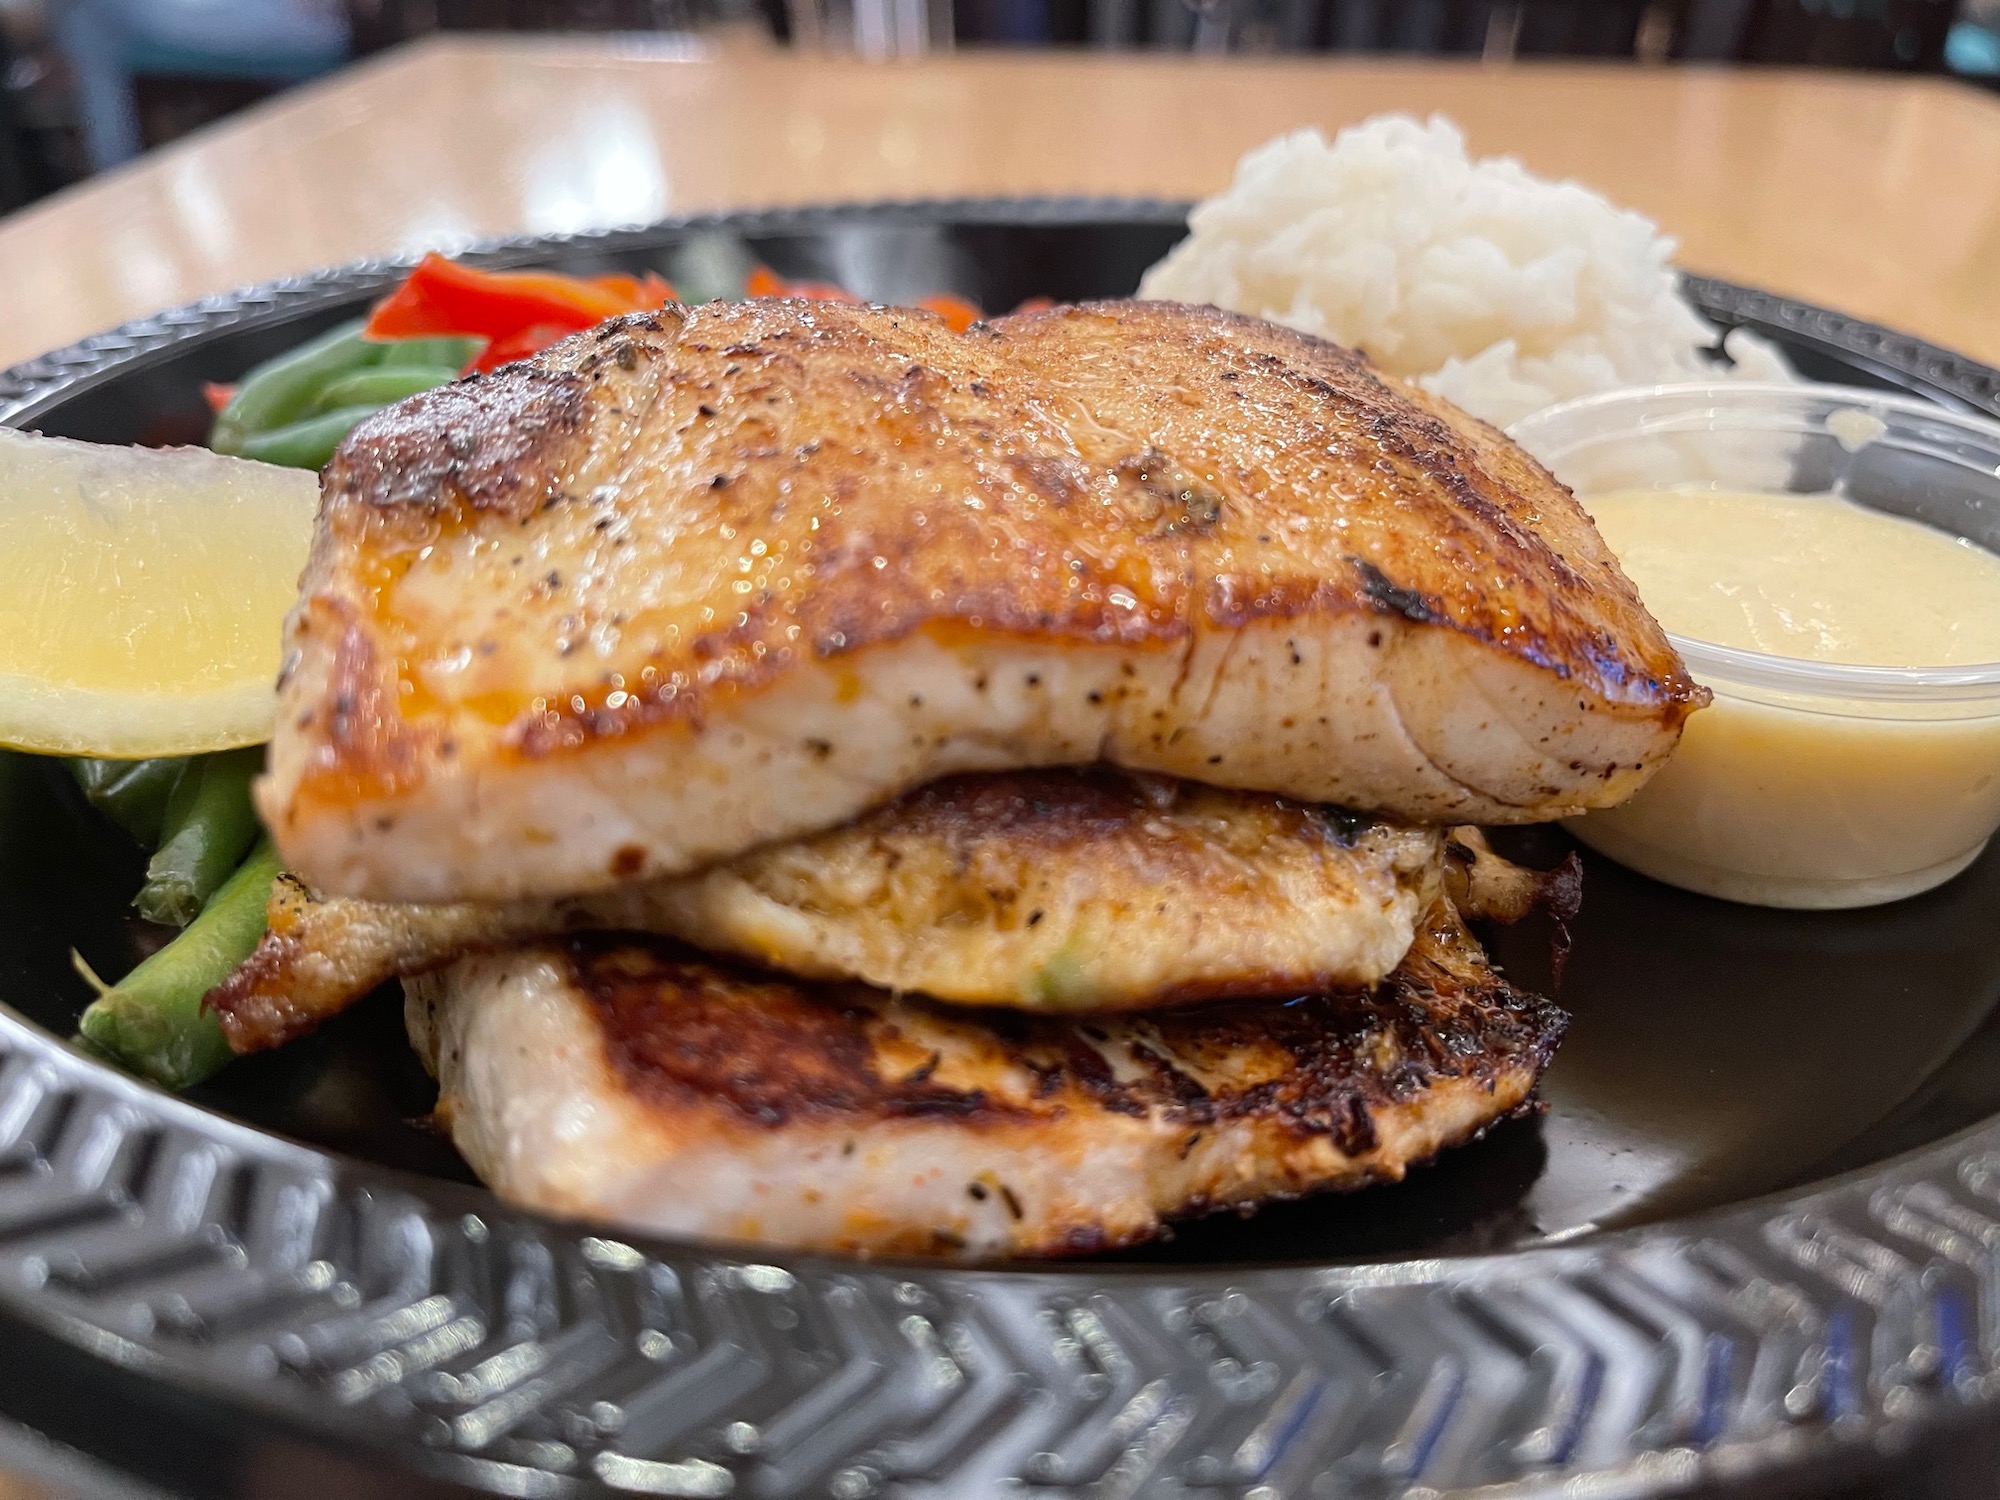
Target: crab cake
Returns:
[[1059, 890]]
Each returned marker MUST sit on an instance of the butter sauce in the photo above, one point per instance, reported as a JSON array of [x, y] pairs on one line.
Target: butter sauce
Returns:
[[1814, 794], [1813, 577]]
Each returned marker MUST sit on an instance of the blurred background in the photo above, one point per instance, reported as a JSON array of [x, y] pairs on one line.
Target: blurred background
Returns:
[[87, 84]]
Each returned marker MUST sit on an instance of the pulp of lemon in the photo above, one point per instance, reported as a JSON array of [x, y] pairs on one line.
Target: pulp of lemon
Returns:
[[143, 595]]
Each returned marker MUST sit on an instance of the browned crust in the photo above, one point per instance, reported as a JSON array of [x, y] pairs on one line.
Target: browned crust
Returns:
[[1073, 807], [685, 1032], [974, 835], [320, 954], [1484, 886], [478, 446], [1135, 466], [261, 1004]]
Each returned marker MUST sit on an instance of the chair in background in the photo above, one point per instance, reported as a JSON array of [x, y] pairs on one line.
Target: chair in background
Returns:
[[238, 49], [1898, 34], [1850, 33], [1972, 46], [383, 23]]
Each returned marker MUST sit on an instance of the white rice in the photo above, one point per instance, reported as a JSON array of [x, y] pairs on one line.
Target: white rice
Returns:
[[1495, 289]]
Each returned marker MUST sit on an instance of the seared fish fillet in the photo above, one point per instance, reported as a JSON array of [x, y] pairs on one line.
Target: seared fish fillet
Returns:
[[712, 578], [1048, 890], [628, 1081]]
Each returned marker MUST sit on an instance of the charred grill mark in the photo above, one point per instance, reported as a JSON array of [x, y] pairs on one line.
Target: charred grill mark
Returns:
[[1391, 598], [1186, 1092], [251, 1003], [1354, 1130], [1083, 1063], [683, 1030], [680, 1030]]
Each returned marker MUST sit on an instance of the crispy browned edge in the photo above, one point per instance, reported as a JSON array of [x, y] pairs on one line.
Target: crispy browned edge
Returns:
[[267, 1001], [683, 1031], [499, 444]]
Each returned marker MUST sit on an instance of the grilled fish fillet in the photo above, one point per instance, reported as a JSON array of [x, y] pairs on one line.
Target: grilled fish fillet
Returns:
[[711, 578], [633, 1082], [1049, 890]]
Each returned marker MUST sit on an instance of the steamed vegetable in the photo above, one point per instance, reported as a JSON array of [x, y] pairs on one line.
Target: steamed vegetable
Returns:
[[516, 313], [382, 385], [131, 793], [153, 1020], [207, 827], [308, 443], [295, 409], [279, 390], [443, 320]]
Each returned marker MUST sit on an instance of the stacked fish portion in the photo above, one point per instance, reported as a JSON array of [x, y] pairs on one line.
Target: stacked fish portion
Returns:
[[834, 781]]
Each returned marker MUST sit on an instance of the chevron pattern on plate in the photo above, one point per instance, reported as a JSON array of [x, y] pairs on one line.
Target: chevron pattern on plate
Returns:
[[533, 1352], [445, 1333]]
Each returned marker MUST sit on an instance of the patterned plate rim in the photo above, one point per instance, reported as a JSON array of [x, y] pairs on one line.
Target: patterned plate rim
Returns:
[[452, 1340]]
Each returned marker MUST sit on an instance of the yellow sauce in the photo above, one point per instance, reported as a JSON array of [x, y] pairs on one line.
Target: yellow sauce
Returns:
[[1798, 796], [1808, 576]]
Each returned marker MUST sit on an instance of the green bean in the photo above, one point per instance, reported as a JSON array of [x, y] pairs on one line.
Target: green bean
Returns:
[[447, 349], [208, 826], [153, 1020], [379, 387], [131, 793], [306, 444], [279, 390]]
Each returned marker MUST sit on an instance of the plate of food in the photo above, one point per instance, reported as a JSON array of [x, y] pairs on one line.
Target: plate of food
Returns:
[[1333, 845]]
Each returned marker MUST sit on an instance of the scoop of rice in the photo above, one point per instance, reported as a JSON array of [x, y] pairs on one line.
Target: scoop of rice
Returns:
[[1493, 288]]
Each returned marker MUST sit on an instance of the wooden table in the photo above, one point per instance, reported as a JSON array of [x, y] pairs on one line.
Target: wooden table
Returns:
[[1878, 195]]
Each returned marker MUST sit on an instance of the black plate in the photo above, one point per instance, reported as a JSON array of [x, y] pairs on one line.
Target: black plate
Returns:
[[358, 1309]]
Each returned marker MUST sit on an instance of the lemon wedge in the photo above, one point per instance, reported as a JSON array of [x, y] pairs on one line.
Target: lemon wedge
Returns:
[[142, 595]]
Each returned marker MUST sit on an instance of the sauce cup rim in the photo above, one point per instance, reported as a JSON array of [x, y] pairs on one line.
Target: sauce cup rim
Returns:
[[1720, 665]]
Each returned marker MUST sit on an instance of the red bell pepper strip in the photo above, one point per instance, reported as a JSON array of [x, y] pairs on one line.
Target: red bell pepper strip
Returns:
[[957, 312], [765, 282], [649, 290], [518, 312], [443, 297], [530, 340]]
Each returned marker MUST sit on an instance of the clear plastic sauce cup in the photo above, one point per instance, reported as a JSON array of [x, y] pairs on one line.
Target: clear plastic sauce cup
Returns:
[[1805, 783]]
